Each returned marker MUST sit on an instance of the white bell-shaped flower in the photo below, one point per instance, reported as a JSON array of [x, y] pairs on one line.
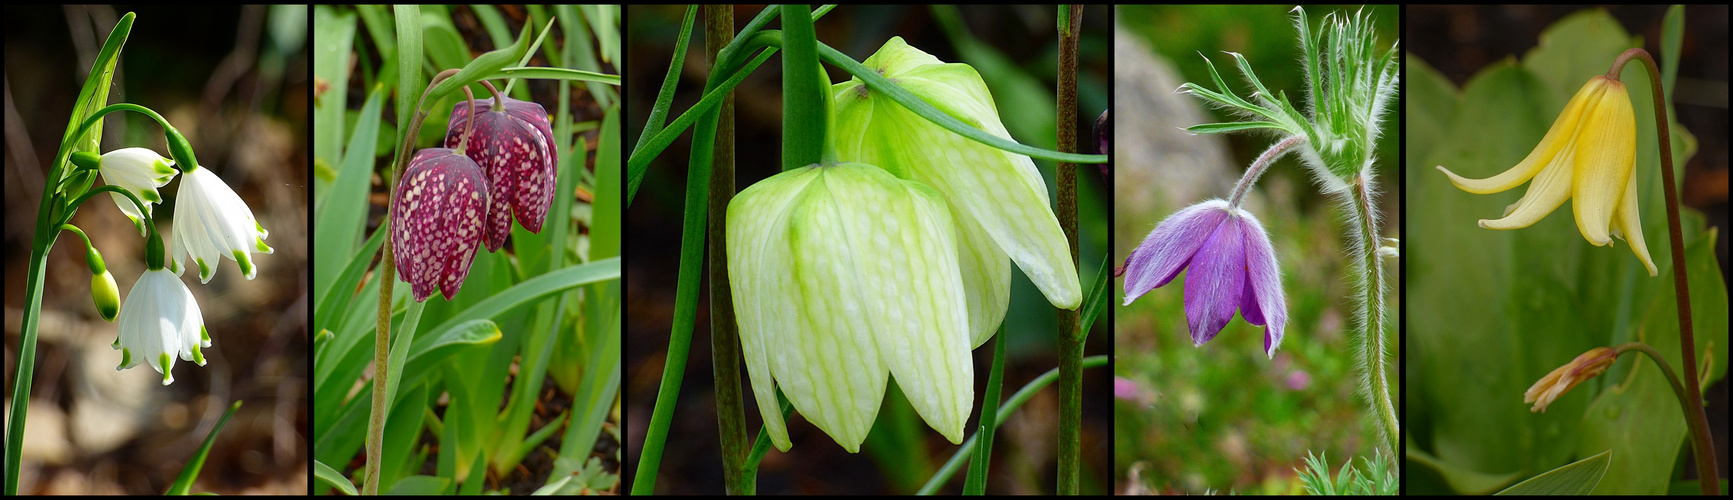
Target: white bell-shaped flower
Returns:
[[160, 321], [212, 222], [140, 171]]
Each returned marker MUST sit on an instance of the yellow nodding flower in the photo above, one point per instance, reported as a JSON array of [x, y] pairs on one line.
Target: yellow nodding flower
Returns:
[[1588, 156]]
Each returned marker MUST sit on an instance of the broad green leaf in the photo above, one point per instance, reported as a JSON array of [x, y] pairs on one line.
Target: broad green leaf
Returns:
[[1460, 479], [1430, 108], [325, 474], [1578, 478], [420, 486], [191, 471], [402, 430], [444, 46], [338, 298], [342, 213], [426, 357], [605, 228], [532, 290], [333, 35]]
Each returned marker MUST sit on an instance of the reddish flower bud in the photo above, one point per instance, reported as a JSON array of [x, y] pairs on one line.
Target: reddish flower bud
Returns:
[[436, 220], [515, 147]]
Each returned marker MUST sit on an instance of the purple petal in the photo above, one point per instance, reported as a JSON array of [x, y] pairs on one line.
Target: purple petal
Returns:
[[1263, 303], [436, 220], [515, 147], [1170, 247], [1215, 283]]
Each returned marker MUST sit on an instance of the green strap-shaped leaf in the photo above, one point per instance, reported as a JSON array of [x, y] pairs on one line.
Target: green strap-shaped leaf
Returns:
[[1578, 478], [326, 474], [483, 66], [342, 212], [191, 470]]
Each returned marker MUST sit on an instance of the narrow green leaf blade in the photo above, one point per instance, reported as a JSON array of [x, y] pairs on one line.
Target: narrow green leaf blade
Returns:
[[191, 471], [420, 486], [1578, 478], [333, 36], [342, 214], [409, 70], [483, 66], [325, 474]]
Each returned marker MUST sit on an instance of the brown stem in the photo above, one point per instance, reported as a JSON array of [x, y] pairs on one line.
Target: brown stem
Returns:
[[1070, 339], [498, 98], [724, 332], [1707, 472], [468, 122]]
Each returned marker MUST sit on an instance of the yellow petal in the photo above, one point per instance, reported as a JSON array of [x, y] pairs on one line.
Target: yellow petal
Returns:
[[1628, 225], [1549, 190], [1606, 152], [1557, 137]]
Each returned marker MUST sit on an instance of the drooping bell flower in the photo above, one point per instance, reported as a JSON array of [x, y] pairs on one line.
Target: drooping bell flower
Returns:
[[842, 275], [138, 170], [1229, 265], [998, 199], [158, 322], [515, 147], [212, 223], [1588, 156], [437, 220]]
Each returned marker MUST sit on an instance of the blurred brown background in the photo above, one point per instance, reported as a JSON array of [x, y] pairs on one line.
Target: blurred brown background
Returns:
[[1468, 38], [234, 81]]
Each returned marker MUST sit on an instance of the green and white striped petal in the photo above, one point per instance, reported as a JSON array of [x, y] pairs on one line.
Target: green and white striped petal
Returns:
[[842, 273], [1001, 191]]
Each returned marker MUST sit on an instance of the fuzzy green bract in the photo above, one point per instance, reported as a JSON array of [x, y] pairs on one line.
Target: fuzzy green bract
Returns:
[[998, 200], [1351, 80], [843, 274]]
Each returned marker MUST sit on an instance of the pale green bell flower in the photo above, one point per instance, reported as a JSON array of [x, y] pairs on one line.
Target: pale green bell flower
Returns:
[[843, 274], [997, 198]]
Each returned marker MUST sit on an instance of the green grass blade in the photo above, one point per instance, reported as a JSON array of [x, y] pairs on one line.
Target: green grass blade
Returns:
[[665, 95], [333, 36], [487, 64], [494, 23], [639, 162], [1005, 410], [1097, 299], [336, 299], [532, 290], [538, 72], [325, 474], [1218, 128], [409, 72], [976, 482], [191, 471], [342, 213], [878, 83], [420, 486], [591, 404]]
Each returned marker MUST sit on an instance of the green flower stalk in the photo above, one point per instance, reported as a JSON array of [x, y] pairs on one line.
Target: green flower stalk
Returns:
[[1351, 82]]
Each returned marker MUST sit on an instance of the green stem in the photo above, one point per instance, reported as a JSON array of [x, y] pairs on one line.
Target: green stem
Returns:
[[1005, 410], [724, 332], [805, 93], [1371, 270], [976, 482], [387, 281], [1707, 471], [1070, 341]]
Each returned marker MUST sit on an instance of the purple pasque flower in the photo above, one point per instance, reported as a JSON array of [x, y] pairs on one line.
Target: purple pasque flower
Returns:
[[515, 147], [1232, 268], [436, 220]]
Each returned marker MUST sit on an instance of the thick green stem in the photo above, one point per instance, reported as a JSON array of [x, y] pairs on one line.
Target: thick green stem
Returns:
[[1371, 271], [805, 93], [724, 332], [1707, 472], [1070, 341]]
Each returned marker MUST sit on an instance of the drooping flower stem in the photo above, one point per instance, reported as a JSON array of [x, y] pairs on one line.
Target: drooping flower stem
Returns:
[[1371, 278], [1699, 422], [724, 332], [1260, 165], [387, 280], [1070, 340]]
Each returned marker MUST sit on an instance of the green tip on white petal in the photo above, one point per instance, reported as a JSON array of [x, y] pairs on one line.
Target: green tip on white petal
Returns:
[[198, 357], [164, 167], [260, 246], [136, 224], [125, 356], [262, 232], [150, 196], [204, 271], [204, 335], [163, 364], [246, 264]]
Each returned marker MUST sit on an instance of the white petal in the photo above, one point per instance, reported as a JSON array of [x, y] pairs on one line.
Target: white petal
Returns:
[[213, 223], [759, 265]]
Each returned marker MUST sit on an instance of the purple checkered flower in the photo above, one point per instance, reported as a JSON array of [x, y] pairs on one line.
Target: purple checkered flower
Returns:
[[515, 146], [1232, 268], [436, 220]]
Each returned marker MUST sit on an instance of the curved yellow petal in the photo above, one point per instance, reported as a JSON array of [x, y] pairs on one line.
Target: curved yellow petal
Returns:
[[1606, 152], [1627, 224], [1557, 137], [1551, 187]]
